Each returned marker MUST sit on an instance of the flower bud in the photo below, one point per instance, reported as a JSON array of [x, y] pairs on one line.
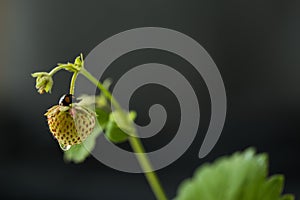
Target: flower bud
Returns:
[[44, 82]]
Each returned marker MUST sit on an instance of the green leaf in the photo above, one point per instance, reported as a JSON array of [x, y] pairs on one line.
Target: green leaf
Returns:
[[103, 117], [287, 197], [113, 132], [119, 125], [78, 153], [242, 176], [272, 188]]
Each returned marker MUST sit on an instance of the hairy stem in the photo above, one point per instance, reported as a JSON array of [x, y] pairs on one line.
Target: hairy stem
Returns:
[[56, 69], [72, 85], [134, 141]]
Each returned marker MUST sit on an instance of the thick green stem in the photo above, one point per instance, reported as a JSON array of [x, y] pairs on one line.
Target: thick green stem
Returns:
[[135, 142]]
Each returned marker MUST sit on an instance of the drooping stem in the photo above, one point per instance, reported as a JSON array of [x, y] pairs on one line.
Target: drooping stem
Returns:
[[68, 66], [73, 80], [134, 141], [56, 69]]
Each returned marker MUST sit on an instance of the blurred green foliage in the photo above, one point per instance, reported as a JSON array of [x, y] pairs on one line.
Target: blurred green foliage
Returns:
[[242, 176]]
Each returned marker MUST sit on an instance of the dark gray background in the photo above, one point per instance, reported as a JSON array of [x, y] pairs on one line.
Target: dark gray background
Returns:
[[255, 45]]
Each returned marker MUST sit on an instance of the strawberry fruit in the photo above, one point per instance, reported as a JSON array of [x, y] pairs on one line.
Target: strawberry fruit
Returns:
[[70, 125]]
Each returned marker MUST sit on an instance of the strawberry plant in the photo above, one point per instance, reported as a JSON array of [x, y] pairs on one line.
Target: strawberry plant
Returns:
[[242, 176]]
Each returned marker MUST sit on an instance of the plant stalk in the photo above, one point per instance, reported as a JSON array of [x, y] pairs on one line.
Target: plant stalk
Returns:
[[73, 80], [151, 176], [134, 141]]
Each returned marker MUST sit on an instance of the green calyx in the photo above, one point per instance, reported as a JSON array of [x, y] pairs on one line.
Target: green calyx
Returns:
[[77, 66]]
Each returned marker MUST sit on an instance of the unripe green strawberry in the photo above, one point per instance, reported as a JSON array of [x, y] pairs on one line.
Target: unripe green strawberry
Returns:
[[70, 125]]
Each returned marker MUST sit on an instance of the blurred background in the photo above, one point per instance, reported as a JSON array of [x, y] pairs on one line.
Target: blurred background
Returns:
[[255, 45]]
